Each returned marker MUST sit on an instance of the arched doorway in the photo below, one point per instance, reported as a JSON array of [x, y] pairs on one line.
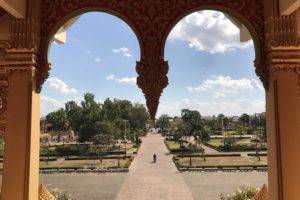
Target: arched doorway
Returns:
[[212, 75], [95, 61], [23, 61]]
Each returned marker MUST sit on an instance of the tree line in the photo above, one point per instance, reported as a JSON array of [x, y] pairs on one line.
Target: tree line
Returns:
[[116, 118], [191, 123]]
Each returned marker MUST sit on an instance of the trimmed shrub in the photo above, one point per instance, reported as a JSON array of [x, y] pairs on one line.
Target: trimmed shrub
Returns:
[[61, 195], [243, 193], [67, 150]]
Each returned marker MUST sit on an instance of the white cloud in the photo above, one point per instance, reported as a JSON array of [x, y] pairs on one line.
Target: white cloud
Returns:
[[124, 51], [258, 84], [57, 84], [49, 104], [97, 59], [209, 31], [127, 80], [110, 77], [127, 54], [124, 80], [221, 85], [209, 108]]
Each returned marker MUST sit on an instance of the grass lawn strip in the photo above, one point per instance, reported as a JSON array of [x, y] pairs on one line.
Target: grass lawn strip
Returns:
[[221, 161], [106, 163]]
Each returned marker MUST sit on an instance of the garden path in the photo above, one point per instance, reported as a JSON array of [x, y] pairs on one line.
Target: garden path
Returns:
[[154, 181]]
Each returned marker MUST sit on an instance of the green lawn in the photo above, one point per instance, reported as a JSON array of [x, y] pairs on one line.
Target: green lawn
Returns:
[[221, 161], [124, 163], [243, 142], [172, 145], [216, 142]]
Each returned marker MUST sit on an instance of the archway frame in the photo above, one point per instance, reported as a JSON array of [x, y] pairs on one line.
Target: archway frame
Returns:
[[151, 21], [79, 12], [23, 70]]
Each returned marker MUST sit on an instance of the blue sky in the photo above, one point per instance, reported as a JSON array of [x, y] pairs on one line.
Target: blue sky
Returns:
[[210, 70]]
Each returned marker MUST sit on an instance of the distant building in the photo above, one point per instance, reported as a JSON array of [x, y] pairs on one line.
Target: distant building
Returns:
[[235, 118]]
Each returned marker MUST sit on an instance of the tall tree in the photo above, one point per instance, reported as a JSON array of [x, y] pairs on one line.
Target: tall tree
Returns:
[[220, 120], [163, 122], [192, 120], [245, 119], [74, 115], [102, 143], [139, 117], [58, 119]]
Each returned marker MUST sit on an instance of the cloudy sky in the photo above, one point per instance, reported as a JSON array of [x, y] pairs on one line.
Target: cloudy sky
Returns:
[[210, 70]]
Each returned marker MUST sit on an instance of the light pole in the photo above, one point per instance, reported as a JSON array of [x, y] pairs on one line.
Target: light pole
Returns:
[[125, 138]]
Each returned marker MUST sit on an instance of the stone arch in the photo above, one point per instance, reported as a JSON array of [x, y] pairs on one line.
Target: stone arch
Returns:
[[54, 15], [152, 21], [87, 10]]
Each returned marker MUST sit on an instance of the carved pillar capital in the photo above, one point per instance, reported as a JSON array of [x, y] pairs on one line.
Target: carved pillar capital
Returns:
[[281, 31], [283, 61], [152, 80]]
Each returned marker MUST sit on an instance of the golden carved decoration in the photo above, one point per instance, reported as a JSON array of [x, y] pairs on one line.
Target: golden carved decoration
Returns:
[[3, 95], [152, 80], [282, 31], [28, 40], [44, 194], [262, 194]]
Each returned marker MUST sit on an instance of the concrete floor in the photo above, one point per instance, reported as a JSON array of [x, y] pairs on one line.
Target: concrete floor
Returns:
[[209, 185], [86, 186], [202, 185]]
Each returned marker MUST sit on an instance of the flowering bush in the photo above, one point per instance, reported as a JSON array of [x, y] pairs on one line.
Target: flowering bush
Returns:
[[243, 193], [61, 195]]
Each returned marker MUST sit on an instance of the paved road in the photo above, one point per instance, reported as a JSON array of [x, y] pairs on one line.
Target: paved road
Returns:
[[154, 181]]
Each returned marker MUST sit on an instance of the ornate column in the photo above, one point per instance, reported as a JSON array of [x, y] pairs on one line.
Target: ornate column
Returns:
[[21, 105], [283, 104], [283, 107], [3, 99], [152, 80], [21, 152]]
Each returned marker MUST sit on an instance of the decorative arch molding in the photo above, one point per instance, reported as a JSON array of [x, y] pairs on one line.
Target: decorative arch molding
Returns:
[[151, 21]]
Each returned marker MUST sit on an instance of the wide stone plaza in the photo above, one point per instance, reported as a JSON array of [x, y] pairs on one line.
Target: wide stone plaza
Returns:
[[147, 180]]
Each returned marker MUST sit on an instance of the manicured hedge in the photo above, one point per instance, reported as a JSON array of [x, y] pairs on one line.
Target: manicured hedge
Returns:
[[232, 149], [212, 155], [48, 159], [260, 154], [95, 158]]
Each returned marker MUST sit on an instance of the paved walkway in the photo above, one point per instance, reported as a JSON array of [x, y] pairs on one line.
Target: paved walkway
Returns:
[[154, 181]]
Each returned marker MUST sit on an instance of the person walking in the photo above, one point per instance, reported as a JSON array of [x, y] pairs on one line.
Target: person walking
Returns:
[[154, 158]]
